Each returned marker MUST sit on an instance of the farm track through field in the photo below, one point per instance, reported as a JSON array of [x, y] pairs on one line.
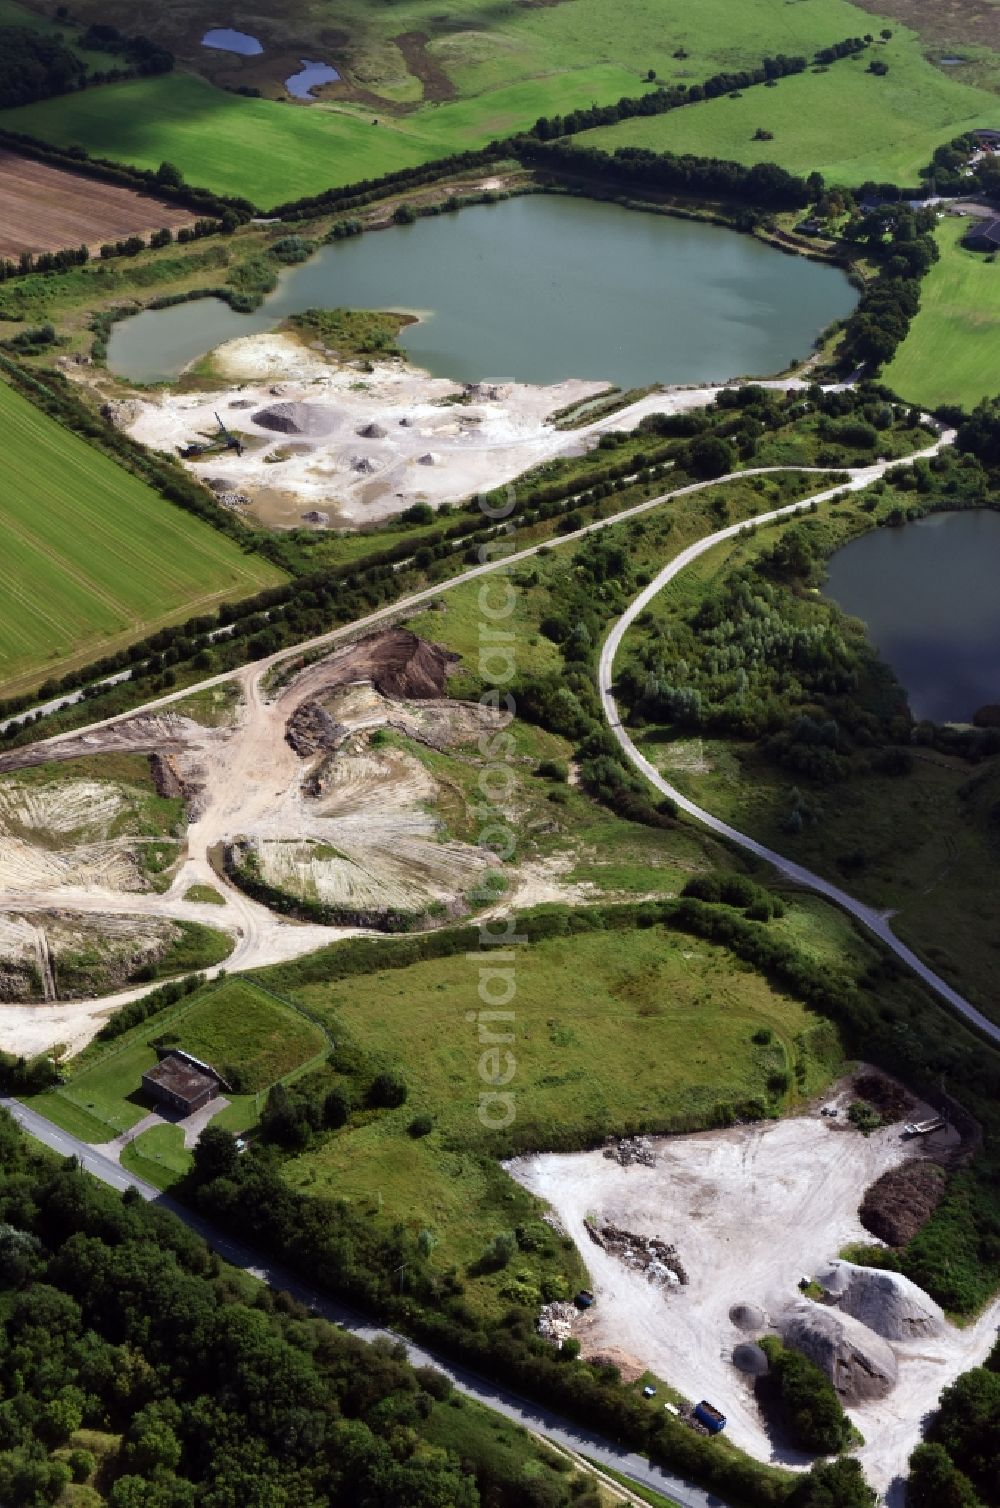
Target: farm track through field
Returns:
[[261, 937]]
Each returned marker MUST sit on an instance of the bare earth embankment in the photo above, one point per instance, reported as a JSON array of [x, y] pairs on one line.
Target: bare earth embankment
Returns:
[[297, 779]]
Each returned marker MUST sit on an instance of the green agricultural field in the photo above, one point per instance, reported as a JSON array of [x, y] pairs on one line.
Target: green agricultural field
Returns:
[[243, 1031], [270, 152], [949, 355], [455, 92], [610, 1032], [845, 123], [90, 557]]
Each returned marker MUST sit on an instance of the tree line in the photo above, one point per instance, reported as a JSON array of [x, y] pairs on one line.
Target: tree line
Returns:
[[668, 97]]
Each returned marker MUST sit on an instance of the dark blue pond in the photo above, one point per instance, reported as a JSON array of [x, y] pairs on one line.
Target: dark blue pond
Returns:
[[928, 595]]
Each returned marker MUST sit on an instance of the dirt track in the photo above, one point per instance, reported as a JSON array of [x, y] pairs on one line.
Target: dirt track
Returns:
[[43, 208], [354, 830]]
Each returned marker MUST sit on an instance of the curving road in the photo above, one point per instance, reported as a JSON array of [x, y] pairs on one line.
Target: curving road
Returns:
[[876, 922], [252, 676], [532, 1416]]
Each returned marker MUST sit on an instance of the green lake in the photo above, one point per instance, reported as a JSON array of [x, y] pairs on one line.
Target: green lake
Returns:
[[538, 289]]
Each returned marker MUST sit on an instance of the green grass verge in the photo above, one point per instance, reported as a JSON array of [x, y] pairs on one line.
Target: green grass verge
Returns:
[[655, 1499], [158, 1155], [198, 947], [90, 557], [846, 123], [949, 355], [207, 894]]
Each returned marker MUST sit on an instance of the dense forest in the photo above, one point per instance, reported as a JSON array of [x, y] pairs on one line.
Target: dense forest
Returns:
[[134, 1365]]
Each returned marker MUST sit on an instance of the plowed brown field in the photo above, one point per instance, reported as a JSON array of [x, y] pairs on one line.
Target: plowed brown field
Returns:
[[43, 208]]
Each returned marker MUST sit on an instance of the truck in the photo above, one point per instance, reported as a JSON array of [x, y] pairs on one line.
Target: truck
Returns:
[[709, 1416], [924, 1128]]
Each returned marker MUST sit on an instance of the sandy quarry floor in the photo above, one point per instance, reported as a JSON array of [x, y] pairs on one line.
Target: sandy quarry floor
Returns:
[[433, 451], [751, 1211], [357, 827]]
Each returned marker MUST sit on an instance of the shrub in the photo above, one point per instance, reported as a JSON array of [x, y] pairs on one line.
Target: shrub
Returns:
[[388, 1090], [805, 1399]]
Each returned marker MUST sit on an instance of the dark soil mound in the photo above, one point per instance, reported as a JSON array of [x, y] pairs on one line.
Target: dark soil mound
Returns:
[[889, 1098], [311, 730], [901, 1202], [400, 663]]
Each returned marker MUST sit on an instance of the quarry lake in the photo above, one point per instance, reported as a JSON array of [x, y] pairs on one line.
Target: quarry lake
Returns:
[[928, 593], [538, 289]]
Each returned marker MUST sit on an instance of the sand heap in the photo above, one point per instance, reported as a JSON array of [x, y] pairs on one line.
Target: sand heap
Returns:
[[857, 1361], [297, 418], [887, 1302]]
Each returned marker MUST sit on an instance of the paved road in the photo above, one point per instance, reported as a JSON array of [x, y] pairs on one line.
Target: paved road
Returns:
[[876, 921], [533, 1416]]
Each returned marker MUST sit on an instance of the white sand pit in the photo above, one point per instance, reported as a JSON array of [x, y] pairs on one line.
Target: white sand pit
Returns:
[[433, 443], [751, 1210]]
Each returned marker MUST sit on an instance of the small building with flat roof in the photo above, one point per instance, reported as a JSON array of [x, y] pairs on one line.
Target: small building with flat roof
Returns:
[[180, 1083]]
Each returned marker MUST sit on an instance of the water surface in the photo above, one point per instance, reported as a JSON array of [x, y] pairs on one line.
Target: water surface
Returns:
[[928, 593], [226, 40], [538, 289], [310, 76]]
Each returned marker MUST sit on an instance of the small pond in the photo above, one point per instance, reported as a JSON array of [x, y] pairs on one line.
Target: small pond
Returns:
[[538, 289], [311, 75], [928, 594], [226, 40]]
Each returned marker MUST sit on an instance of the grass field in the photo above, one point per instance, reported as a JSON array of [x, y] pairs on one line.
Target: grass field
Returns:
[[950, 354], [610, 1032], [846, 123], [90, 557], [271, 152], [238, 1028]]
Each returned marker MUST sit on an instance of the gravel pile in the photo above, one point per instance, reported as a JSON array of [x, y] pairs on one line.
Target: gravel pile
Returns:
[[297, 418], [749, 1318], [887, 1302], [750, 1359], [858, 1362]]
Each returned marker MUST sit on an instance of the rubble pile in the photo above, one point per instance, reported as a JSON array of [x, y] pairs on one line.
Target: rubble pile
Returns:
[[630, 1149], [311, 730], [555, 1321], [648, 1254]]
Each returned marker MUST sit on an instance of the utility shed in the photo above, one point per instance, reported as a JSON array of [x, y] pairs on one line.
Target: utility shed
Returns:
[[179, 1084]]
